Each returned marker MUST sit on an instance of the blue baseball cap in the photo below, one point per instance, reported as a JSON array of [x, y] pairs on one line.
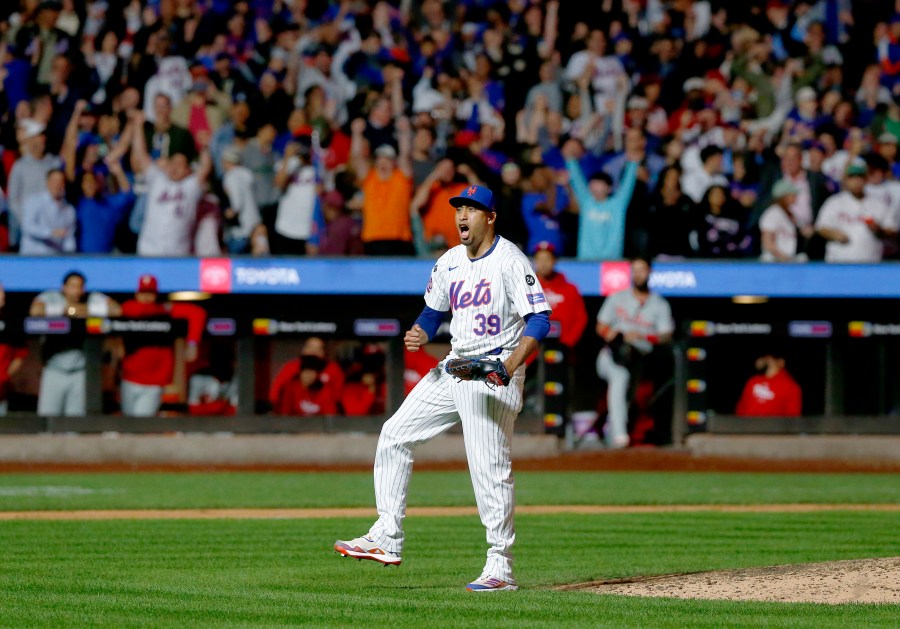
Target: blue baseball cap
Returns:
[[474, 196]]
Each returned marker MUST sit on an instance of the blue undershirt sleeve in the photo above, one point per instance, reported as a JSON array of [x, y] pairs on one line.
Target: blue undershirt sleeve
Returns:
[[430, 320], [537, 324]]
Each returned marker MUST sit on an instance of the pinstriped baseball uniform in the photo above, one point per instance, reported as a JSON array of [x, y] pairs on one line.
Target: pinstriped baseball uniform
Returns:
[[488, 297]]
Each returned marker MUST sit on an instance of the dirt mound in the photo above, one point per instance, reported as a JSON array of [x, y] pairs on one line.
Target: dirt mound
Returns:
[[833, 582]]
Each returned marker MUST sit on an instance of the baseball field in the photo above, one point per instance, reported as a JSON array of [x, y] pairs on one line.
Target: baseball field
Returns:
[[255, 549]]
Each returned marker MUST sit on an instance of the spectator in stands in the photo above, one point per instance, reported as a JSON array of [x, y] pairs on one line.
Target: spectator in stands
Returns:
[[672, 218], [149, 364], [609, 76], [48, 220], [241, 214], [226, 135], [772, 392], [853, 223], [697, 179], [259, 156], [40, 41], [432, 199], [62, 388], [601, 231], [544, 204], [164, 138], [170, 77], [12, 353], [387, 191], [201, 112], [29, 173], [172, 197], [722, 231], [99, 214], [338, 235], [298, 208], [812, 186], [635, 151], [782, 238]]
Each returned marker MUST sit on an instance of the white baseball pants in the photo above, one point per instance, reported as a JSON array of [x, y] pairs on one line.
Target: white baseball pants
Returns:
[[140, 400], [61, 393], [438, 402], [617, 380]]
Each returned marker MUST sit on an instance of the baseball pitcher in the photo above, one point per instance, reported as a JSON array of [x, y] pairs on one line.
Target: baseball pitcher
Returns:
[[499, 315]]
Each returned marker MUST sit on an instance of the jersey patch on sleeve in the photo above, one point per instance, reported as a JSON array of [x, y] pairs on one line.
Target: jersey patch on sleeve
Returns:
[[536, 298], [529, 279]]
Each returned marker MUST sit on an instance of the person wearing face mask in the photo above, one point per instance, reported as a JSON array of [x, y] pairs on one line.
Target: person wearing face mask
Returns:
[[772, 392], [632, 322]]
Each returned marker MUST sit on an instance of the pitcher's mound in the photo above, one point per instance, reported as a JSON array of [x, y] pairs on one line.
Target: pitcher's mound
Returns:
[[856, 581]]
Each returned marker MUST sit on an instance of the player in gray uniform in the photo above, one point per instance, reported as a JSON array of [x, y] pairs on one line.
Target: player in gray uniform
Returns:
[[631, 322], [62, 387], [498, 307]]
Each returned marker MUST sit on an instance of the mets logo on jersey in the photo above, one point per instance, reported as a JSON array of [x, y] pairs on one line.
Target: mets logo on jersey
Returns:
[[480, 296]]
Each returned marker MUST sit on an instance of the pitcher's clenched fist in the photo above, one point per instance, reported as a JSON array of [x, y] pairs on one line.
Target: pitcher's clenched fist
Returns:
[[415, 338]]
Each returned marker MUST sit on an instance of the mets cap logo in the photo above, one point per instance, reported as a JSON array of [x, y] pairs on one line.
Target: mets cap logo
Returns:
[[472, 191]]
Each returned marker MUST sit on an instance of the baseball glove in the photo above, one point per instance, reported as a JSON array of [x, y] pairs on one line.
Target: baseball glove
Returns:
[[491, 371]]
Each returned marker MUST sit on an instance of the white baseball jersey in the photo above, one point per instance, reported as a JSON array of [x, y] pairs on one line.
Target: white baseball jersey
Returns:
[[622, 311], [488, 296], [168, 228], [295, 210], [777, 221], [848, 214]]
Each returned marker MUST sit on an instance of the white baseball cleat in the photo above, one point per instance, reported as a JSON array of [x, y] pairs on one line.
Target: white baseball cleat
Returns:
[[365, 548], [487, 583]]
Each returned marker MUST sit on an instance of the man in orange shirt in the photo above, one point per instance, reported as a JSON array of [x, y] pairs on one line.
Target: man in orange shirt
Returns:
[[387, 188], [433, 196]]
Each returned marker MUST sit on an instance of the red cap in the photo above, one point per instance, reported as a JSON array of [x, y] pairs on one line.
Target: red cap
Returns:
[[147, 284], [545, 246]]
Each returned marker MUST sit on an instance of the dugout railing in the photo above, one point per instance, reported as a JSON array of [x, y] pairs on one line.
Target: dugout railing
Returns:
[[847, 371], [251, 338]]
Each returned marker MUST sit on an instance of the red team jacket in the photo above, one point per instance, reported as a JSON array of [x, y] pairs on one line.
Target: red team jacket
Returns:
[[155, 364], [8, 353], [778, 396], [332, 376], [295, 399], [568, 307]]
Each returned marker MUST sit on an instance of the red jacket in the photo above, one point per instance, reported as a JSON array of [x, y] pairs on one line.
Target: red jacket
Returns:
[[155, 364], [332, 376], [298, 400], [415, 366], [568, 307], [778, 396], [8, 353]]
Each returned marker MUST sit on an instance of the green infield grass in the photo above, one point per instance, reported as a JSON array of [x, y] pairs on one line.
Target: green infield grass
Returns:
[[242, 489], [253, 573]]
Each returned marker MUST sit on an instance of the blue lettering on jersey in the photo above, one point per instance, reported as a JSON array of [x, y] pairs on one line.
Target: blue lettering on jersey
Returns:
[[536, 298], [480, 297]]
